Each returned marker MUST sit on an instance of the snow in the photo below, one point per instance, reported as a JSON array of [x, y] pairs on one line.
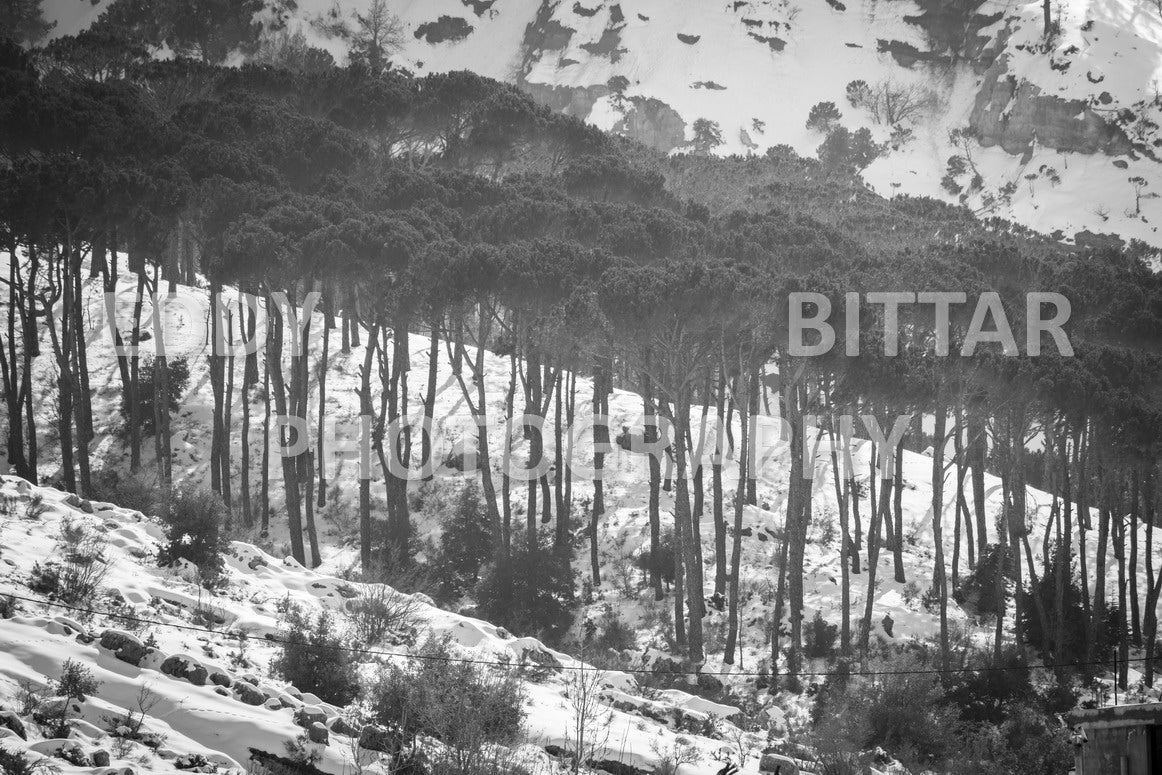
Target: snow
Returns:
[[202, 719]]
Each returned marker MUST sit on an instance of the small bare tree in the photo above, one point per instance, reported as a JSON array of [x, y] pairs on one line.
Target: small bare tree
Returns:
[[588, 730], [894, 103], [380, 611], [671, 759]]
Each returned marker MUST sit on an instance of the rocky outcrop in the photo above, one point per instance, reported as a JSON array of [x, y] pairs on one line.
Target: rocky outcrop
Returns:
[[1012, 114]]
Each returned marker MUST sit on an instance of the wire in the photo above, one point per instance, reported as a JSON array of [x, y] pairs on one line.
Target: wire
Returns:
[[241, 636]]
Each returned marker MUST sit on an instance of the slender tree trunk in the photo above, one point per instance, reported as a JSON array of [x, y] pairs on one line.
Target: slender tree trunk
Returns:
[[290, 472], [732, 621], [716, 491], [320, 441], [427, 450], [600, 441], [366, 412], [650, 437]]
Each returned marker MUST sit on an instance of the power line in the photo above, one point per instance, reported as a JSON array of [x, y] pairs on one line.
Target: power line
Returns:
[[241, 636]]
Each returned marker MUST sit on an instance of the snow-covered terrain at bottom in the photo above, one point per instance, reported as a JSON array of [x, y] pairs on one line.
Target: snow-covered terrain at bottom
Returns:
[[218, 701]]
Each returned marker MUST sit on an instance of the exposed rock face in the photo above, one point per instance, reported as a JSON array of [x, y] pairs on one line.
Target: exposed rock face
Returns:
[[1013, 114]]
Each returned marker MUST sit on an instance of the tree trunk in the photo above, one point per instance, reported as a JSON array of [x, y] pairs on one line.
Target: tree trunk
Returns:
[[716, 491]]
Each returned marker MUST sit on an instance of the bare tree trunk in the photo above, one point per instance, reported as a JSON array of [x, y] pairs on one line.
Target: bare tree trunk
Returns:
[[650, 437], [290, 472], [366, 411], [732, 620], [716, 491], [600, 441]]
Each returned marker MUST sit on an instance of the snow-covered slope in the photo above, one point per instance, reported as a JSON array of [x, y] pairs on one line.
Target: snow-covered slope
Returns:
[[233, 704], [623, 534]]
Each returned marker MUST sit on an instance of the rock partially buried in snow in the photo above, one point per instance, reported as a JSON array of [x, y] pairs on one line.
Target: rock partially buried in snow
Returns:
[[340, 727], [9, 720], [181, 666], [249, 694], [317, 733], [125, 646], [773, 762], [309, 715]]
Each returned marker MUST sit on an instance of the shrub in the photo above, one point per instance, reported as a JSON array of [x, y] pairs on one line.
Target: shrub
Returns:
[[465, 546], [380, 611], [76, 681], [80, 572], [532, 592], [823, 116], [460, 704], [194, 518], [18, 763], [819, 638], [843, 150], [35, 508], [614, 633], [665, 558], [129, 492], [707, 135], [903, 713], [314, 658], [978, 590], [858, 93], [178, 376]]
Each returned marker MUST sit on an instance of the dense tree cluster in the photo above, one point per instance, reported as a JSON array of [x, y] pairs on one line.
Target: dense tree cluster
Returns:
[[455, 207]]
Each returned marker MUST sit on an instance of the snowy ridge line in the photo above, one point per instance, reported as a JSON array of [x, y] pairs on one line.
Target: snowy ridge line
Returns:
[[578, 667]]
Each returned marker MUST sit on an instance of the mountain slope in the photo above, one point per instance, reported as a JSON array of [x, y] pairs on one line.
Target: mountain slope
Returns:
[[233, 704]]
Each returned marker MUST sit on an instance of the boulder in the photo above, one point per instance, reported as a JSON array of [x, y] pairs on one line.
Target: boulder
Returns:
[[310, 714], [219, 678], [9, 720], [614, 767], [317, 733], [340, 726], [248, 693], [773, 762], [179, 666], [100, 758], [125, 646]]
